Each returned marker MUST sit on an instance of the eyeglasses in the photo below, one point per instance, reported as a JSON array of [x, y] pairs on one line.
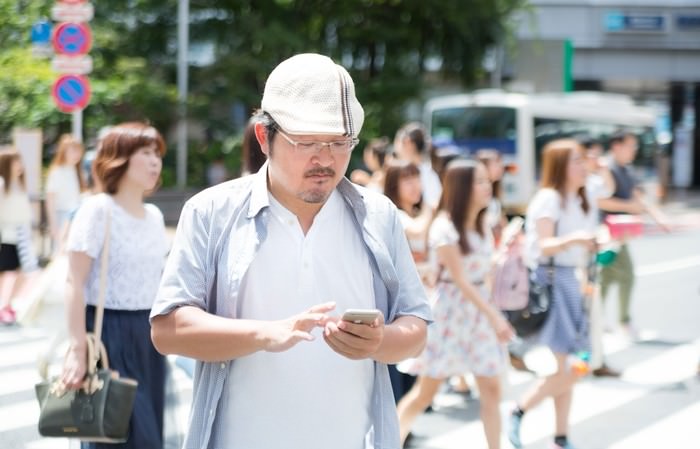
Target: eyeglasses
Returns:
[[310, 148]]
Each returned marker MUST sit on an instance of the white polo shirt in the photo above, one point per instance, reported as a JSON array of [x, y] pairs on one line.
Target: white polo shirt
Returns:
[[308, 396]]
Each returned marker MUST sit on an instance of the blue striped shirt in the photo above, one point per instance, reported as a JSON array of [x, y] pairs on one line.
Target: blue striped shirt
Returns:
[[218, 235]]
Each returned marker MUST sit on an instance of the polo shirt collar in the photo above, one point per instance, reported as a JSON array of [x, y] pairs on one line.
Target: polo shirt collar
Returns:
[[258, 195]]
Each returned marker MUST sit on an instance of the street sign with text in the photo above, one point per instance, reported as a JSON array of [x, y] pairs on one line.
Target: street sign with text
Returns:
[[77, 65], [75, 12]]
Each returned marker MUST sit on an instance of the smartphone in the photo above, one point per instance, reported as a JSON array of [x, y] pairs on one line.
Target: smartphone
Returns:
[[361, 316]]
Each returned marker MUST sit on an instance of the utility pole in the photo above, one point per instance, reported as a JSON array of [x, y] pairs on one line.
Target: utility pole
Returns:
[[183, 30]]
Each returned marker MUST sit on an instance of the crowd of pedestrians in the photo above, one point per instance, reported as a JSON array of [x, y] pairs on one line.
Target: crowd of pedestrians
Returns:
[[258, 276]]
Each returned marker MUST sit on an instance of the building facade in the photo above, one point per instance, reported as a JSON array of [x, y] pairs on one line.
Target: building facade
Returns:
[[647, 49]]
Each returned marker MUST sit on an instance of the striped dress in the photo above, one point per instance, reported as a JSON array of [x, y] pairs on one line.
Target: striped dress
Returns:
[[566, 329]]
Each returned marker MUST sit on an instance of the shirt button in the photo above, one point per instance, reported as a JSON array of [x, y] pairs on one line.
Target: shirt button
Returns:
[[211, 412], [290, 222], [223, 365]]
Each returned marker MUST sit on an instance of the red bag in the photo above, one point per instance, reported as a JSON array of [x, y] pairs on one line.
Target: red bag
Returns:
[[623, 226]]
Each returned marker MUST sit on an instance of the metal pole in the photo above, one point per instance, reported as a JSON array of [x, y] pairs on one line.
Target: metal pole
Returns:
[[182, 47], [497, 70], [77, 125]]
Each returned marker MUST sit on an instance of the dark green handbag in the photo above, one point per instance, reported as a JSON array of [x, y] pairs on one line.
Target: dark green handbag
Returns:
[[99, 411]]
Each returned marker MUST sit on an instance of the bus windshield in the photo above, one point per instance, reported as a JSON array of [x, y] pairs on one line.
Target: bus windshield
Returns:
[[474, 128]]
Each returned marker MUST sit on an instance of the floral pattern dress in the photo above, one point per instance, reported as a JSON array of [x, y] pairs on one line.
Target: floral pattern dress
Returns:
[[460, 339]]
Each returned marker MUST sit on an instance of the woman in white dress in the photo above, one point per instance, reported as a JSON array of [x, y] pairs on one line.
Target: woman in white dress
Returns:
[[64, 185], [128, 166], [15, 232], [468, 332]]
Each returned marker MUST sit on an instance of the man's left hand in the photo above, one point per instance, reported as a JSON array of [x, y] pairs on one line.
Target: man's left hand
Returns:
[[352, 340]]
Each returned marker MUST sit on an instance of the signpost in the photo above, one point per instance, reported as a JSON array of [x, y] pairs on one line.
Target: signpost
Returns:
[[72, 40]]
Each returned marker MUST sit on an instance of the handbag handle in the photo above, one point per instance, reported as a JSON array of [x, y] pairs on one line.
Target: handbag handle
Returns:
[[100, 353], [99, 313]]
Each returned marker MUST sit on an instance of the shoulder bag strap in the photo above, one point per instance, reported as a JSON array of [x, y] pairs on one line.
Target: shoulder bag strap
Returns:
[[550, 265], [99, 312]]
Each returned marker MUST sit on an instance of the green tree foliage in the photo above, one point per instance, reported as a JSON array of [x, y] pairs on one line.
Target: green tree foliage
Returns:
[[388, 46], [392, 48]]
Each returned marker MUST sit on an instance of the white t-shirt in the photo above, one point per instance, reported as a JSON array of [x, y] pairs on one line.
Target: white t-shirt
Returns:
[[64, 184], [596, 188], [138, 247], [547, 203], [308, 396], [15, 212], [430, 181]]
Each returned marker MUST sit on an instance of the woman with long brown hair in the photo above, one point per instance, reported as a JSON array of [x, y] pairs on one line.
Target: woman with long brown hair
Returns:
[[559, 233], [403, 187], [64, 184], [15, 229], [468, 332]]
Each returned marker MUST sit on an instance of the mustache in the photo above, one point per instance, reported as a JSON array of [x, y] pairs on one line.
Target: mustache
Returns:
[[320, 171]]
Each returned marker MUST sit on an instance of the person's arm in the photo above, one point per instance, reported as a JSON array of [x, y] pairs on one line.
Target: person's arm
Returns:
[[74, 366], [195, 333], [449, 256], [655, 214], [417, 228], [359, 176], [385, 343], [180, 323], [631, 206], [550, 244], [51, 215]]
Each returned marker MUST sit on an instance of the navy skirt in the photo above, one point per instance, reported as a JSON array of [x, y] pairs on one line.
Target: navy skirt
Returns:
[[127, 337]]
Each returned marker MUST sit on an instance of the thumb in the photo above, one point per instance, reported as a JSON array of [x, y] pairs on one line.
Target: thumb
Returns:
[[301, 335]]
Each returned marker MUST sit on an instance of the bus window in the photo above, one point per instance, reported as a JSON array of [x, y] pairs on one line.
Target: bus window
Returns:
[[473, 128], [549, 129]]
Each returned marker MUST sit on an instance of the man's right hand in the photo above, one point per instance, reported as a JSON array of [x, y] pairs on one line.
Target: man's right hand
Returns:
[[282, 335]]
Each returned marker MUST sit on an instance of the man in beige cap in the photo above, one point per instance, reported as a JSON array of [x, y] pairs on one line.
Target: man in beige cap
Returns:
[[262, 269]]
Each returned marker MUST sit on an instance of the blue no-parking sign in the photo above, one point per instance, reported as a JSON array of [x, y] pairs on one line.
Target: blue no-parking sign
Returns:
[[72, 39], [71, 93]]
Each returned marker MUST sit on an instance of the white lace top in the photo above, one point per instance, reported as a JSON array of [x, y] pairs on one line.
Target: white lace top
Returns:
[[138, 247]]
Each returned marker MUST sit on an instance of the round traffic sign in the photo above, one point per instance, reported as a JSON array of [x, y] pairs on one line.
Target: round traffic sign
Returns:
[[71, 93], [72, 39]]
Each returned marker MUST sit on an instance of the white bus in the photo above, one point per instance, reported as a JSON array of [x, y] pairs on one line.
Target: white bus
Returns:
[[518, 126]]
